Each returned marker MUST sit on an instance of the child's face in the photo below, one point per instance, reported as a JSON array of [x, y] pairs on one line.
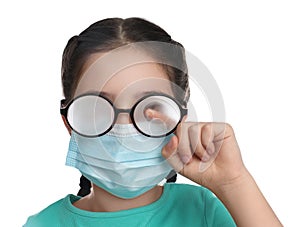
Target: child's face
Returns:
[[123, 79]]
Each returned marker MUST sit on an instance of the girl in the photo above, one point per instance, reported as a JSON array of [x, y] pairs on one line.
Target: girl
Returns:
[[126, 90]]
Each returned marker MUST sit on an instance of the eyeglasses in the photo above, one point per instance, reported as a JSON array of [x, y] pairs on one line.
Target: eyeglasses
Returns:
[[93, 115]]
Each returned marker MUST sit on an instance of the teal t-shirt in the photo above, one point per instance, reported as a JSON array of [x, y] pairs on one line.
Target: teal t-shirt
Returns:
[[180, 205]]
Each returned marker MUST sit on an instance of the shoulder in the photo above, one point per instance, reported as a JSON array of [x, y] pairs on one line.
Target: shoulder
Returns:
[[187, 195], [189, 190], [50, 215], [203, 200]]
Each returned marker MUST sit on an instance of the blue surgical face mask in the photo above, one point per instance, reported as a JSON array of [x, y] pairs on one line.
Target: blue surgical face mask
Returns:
[[122, 162]]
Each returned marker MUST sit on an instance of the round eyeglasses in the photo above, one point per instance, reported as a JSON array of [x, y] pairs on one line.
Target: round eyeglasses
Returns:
[[93, 115]]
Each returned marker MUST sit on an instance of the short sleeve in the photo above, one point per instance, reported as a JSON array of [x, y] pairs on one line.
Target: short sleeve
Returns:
[[216, 213]]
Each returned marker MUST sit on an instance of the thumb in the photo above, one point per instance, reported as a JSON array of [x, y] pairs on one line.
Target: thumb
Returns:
[[169, 152]]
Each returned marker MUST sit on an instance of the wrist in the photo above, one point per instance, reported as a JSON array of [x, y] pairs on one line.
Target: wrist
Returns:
[[246, 203], [243, 179]]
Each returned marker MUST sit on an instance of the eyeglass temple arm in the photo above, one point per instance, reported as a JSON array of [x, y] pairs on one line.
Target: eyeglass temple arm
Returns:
[[63, 109], [184, 111]]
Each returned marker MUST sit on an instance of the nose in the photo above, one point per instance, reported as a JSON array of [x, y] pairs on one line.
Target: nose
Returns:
[[123, 116]]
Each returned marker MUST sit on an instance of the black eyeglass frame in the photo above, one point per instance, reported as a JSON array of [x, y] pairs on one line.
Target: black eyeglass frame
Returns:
[[64, 112]]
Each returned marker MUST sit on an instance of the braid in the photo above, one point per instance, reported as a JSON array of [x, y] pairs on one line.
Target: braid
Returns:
[[172, 177], [85, 186]]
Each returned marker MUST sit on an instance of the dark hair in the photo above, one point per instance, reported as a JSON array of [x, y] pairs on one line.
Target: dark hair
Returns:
[[111, 33]]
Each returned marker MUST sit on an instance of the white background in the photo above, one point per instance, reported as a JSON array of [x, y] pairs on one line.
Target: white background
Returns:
[[252, 49]]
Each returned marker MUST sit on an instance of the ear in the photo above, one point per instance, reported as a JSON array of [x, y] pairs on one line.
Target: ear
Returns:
[[66, 124]]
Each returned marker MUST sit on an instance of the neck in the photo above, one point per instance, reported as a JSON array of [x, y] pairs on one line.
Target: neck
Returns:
[[100, 200]]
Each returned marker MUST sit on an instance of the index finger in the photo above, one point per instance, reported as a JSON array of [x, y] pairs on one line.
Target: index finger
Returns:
[[152, 114], [184, 149]]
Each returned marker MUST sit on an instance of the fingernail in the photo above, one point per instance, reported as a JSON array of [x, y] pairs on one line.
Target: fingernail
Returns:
[[210, 150], [205, 158], [185, 159]]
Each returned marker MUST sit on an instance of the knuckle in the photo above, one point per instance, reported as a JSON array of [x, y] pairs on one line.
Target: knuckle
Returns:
[[228, 128], [207, 128], [194, 129]]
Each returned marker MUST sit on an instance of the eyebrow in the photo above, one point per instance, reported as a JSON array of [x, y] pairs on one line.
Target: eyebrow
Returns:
[[136, 96], [144, 93], [102, 93], [106, 94]]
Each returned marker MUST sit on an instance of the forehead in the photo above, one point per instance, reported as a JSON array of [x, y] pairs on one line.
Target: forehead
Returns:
[[127, 71]]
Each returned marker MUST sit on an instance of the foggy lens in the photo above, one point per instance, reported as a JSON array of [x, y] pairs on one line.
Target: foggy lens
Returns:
[[157, 115], [90, 115]]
